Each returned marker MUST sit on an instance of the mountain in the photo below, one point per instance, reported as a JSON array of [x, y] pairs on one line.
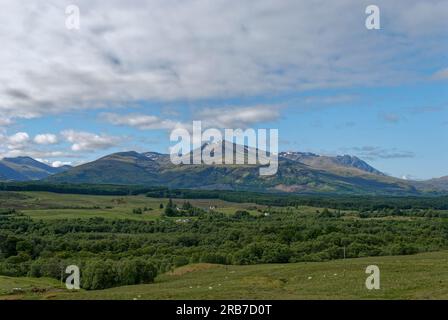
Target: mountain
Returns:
[[297, 173], [331, 163], [26, 168], [433, 185], [121, 168]]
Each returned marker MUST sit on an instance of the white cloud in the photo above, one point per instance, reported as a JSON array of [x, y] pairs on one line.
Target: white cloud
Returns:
[[140, 121], [86, 141], [54, 164], [409, 177], [46, 138], [57, 164], [5, 121], [15, 141], [222, 117], [41, 147], [201, 49], [238, 117], [20, 144], [19, 138]]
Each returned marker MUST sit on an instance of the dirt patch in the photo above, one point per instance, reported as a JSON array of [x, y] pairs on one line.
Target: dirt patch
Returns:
[[192, 268], [263, 282], [12, 297], [290, 188]]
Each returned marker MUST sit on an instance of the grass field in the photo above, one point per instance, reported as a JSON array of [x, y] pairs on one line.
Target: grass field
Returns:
[[47, 205], [422, 276]]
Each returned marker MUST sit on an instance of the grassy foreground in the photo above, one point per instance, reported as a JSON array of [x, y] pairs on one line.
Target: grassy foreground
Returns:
[[421, 276]]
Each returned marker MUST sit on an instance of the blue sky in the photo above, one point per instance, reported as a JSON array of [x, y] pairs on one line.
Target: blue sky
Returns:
[[326, 82]]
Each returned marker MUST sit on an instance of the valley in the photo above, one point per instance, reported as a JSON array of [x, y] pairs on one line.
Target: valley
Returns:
[[149, 246]]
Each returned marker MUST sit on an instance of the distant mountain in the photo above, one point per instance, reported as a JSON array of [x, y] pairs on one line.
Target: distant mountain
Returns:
[[432, 185], [331, 163], [297, 173], [26, 168], [121, 168]]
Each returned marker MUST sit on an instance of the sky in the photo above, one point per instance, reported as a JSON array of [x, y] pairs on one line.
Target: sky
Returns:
[[135, 70]]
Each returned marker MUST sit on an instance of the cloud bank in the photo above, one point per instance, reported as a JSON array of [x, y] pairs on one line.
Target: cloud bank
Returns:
[[172, 50]]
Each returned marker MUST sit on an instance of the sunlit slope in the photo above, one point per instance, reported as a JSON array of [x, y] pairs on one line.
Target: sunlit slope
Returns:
[[421, 276]]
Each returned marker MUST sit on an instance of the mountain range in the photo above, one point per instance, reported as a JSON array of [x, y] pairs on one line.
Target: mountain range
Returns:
[[298, 172]]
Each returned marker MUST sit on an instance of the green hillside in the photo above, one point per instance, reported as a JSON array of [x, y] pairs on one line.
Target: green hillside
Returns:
[[421, 276]]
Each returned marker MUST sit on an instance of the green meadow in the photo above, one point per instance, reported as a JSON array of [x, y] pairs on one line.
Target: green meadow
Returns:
[[421, 276], [47, 205]]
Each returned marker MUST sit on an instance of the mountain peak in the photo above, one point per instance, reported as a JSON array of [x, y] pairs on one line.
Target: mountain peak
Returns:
[[27, 161], [122, 154], [20, 159], [355, 162]]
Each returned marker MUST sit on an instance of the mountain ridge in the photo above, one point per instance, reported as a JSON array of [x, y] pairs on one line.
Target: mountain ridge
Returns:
[[26, 168], [298, 172], [345, 175], [324, 162]]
